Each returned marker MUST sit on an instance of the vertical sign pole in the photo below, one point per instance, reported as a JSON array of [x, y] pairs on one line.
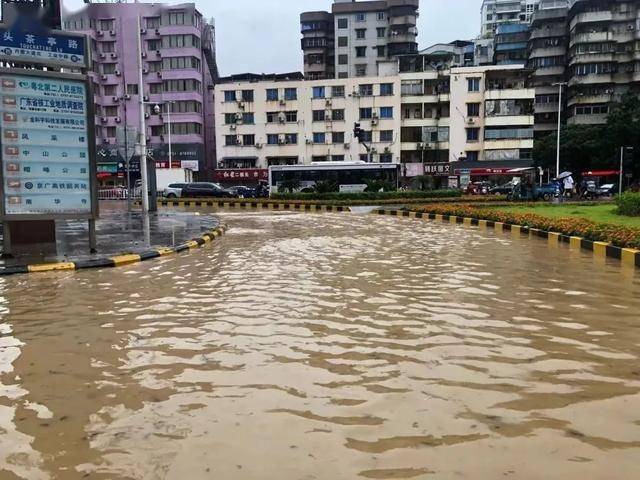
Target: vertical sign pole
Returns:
[[93, 243], [621, 167]]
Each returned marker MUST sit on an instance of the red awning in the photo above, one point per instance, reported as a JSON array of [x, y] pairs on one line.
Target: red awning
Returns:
[[600, 173], [479, 172], [104, 175]]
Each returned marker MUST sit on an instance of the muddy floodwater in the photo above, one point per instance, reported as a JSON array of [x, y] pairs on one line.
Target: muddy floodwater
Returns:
[[326, 346]]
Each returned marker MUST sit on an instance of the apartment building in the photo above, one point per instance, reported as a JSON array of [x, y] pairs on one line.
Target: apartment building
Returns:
[[510, 44], [274, 122], [359, 37], [492, 115], [604, 60], [547, 59], [497, 12], [179, 70]]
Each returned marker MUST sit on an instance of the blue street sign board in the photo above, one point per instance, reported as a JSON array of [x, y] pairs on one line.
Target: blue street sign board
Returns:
[[51, 48]]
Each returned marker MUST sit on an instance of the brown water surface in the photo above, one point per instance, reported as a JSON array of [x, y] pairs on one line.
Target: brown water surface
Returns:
[[326, 346]]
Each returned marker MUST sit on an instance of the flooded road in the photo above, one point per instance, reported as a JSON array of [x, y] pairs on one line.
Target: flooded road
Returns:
[[326, 346]]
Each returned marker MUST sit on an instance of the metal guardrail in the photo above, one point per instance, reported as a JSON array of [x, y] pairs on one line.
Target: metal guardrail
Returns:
[[117, 193]]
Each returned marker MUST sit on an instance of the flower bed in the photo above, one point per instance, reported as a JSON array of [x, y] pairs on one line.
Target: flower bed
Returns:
[[620, 236]]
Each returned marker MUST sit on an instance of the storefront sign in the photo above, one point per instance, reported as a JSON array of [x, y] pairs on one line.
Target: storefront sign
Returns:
[[190, 165], [437, 169], [45, 146], [413, 169], [50, 48], [253, 174], [485, 171]]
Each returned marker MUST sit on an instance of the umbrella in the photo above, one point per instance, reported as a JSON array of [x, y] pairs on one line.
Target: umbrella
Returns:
[[564, 175]]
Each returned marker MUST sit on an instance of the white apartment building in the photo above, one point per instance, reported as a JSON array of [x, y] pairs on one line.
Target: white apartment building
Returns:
[[479, 116], [496, 12], [265, 123], [492, 114]]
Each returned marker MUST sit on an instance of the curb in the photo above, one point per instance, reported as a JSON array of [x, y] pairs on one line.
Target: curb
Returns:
[[253, 205], [117, 260], [628, 256]]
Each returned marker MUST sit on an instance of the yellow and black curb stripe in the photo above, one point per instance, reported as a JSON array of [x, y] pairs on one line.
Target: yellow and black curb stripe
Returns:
[[628, 256], [118, 260], [253, 205]]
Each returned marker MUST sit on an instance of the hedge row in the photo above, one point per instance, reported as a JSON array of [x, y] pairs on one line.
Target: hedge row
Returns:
[[629, 204], [626, 237], [334, 196]]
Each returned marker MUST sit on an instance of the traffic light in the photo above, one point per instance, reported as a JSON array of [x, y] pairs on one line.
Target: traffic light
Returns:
[[628, 158], [357, 132]]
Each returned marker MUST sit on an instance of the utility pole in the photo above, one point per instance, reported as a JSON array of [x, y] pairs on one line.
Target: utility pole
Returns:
[[560, 85], [143, 128]]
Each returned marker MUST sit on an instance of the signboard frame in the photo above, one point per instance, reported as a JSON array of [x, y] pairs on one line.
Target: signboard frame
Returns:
[[49, 62], [91, 146]]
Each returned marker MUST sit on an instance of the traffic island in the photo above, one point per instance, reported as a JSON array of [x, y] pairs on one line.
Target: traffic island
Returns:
[[123, 238]]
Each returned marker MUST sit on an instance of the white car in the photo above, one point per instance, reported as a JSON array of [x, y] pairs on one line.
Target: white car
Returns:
[[174, 190]]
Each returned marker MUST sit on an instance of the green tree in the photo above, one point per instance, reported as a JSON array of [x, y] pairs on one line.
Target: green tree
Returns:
[[623, 129], [290, 185]]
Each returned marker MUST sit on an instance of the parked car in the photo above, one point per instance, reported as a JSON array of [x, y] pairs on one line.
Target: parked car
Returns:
[[607, 190], [242, 191], [206, 189], [502, 189], [174, 190], [478, 188], [528, 192]]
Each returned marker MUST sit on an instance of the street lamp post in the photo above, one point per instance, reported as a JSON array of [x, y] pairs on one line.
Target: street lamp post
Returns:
[[143, 128], [560, 85]]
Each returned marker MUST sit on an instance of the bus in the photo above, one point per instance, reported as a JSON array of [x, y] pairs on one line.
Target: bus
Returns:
[[350, 177]]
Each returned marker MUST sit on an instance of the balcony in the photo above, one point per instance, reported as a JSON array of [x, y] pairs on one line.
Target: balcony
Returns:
[[548, 32], [546, 107], [402, 37], [503, 121], [542, 52], [591, 79], [591, 37], [404, 20], [589, 57], [549, 71], [511, 94], [591, 17]]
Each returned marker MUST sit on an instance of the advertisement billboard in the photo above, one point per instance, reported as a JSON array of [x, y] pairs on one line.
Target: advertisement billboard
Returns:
[[46, 140]]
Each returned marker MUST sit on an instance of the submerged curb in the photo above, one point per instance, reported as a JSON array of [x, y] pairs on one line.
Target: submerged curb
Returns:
[[254, 205], [628, 256], [117, 260]]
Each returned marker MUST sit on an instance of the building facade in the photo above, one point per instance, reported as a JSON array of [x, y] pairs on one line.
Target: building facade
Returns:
[[358, 37], [264, 123], [179, 71], [498, 12]]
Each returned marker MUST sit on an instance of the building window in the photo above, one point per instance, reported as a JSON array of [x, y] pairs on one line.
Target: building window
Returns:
[[110, 90], [230, 140], [248, 140], [367, 136], [472, 156], [361, 70], [132, 89], [380, 15], [337, 115], [290, 94], [319, 158], [386, 135], [366, 113], [155, 88], [337, 91], [291, 138], [337, 158], [106, 24], [248, 118], [272, 138], [109, 68], [272, 94], [361, 17], [473, 134], [386, 158], [247, 95], [381, 31], [108, 47], [111, 111], [111, 132], [337, 137], [381, 50], [361, 52], [473, 84], [473, 109], [386, 89], [186, 128], [157, 130], [318, 115], [186, 106], [189, 85], [386, 112], [154, 66], [179, 63], [343, 60], [343, 74], [361, 33], [343, 41], [318, 92], [152, 22], [291, 116], [229, 95], [229, 118], [154, 44], [365, 89], [343, 23], [180, 41], [318, 137]]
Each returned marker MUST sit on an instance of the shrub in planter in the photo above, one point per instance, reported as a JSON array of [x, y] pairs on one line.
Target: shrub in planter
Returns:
[[629, 204]]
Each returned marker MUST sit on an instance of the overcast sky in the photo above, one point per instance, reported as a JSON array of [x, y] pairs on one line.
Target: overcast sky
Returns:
[[263, 36]]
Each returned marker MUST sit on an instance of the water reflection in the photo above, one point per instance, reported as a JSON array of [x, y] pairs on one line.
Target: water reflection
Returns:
[[325, 346]]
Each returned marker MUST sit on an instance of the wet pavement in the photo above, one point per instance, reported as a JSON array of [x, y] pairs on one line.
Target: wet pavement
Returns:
[[119, 231], [330, 347]]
